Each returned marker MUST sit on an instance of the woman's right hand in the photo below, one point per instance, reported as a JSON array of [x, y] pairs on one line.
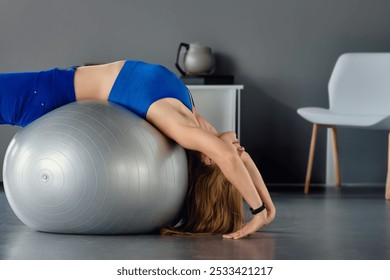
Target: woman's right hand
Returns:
[[257, 222]]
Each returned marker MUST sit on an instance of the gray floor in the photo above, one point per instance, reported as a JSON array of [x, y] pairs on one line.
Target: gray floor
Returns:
[[352, 223]]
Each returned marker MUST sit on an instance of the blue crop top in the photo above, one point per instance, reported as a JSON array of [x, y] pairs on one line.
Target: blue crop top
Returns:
[[140, 84]]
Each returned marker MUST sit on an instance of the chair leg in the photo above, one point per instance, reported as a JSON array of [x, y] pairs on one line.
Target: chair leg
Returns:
[[387, 193], [336, 157], [311, 157]]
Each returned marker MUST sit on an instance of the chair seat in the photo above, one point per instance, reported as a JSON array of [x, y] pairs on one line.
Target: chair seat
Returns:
[[328, 117]]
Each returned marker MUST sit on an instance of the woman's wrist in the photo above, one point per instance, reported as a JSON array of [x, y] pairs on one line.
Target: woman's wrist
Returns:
[[258, 210]]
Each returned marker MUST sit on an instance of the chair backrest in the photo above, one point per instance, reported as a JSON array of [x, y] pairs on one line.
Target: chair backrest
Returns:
[[360, 84]]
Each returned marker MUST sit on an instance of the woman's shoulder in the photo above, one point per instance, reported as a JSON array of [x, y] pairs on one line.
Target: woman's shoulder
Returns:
[[172, 111]]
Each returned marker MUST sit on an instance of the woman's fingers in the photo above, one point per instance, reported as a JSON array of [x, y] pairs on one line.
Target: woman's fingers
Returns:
[[240, 150], [256, 223], [238, 234], [235, 235], [245, 231]]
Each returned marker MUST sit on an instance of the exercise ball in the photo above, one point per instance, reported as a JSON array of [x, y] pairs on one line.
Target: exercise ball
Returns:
[[94, 167]]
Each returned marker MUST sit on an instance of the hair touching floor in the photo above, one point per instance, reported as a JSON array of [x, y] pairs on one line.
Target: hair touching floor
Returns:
[[212, 206]]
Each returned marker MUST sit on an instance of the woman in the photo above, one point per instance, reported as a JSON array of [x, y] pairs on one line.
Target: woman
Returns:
[[221, 172]]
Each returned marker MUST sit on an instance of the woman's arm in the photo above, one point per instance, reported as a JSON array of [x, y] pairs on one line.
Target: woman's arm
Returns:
[[192, 137], [228, 160], [260, 186], [250, 166], [262, 191], [205, 125]]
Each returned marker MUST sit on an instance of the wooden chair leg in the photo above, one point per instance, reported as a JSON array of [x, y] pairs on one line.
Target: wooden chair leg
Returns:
[[336, 157], [387, 193], [311, 157]]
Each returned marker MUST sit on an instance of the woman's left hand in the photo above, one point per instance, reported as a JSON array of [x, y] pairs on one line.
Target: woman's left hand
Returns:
[[257, 222]]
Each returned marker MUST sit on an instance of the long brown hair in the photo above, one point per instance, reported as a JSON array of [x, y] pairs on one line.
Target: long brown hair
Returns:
[[213, 205]]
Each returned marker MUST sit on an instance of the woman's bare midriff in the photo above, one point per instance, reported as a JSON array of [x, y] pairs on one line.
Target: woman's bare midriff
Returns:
[[95, 82]]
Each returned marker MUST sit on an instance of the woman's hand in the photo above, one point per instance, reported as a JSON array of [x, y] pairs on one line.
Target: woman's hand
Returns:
[[257, 222]]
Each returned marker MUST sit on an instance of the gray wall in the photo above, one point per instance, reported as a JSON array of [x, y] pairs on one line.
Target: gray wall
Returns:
[[283, 52]]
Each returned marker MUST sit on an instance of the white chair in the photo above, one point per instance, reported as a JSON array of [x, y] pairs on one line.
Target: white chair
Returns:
[[359, 96]]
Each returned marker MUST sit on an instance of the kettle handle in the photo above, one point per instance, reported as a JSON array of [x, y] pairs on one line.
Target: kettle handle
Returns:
[[187, 46]]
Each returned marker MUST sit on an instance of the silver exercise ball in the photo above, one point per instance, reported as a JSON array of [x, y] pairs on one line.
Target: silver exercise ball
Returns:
[[94, 168]]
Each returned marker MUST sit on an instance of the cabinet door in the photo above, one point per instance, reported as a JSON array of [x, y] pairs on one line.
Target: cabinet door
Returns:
[[217, 106]]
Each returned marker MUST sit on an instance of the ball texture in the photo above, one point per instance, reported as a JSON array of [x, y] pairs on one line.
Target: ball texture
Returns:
[[94, 167]]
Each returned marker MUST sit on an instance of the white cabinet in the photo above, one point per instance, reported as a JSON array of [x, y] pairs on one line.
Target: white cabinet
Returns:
[[219, 105]]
